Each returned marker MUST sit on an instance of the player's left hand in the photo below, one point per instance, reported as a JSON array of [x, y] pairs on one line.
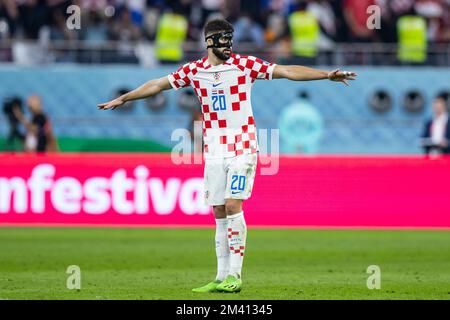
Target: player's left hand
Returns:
[[113, 104], [341, 76]]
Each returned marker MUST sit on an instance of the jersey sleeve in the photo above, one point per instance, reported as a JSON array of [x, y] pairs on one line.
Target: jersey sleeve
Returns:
[[258, 68], [182, 77]]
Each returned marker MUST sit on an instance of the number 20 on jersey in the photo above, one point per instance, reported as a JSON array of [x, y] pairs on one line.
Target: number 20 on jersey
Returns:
[[218, 100]]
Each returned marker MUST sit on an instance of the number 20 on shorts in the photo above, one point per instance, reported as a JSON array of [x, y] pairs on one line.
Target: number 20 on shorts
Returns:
[[237, 183]]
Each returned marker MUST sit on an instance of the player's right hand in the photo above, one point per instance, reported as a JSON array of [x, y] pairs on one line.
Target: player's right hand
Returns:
[[111, 104]]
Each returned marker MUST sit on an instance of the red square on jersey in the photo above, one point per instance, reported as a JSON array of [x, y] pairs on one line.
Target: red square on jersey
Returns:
[[234, 89], [213, 116], [223, 139], [241, 80], [196, 84], [186, 69], [222, 123], [253, 74], [249, 64], [263, 69]]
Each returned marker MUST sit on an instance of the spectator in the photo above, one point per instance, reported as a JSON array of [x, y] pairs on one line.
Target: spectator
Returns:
[[276, 27], [259, 22], [324, 14], [39, 136], [124, 29], [432, 10], [59, 30], [15, 138], [436, 135], [248, 30], [248, 23], [126, 32], [151, 18], [8, 18], [97, 30], [388, 31], [34, 14], [444, 24], [210, 8], [137, 11], [355, 13]]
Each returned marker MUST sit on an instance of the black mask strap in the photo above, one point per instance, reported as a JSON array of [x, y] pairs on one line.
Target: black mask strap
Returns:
[[216, 40]]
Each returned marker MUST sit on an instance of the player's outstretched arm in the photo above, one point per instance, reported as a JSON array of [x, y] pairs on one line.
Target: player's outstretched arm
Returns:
[[300, 73], [148, 89]]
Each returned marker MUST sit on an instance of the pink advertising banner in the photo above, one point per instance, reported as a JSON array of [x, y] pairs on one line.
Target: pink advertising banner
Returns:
[[150, 190]]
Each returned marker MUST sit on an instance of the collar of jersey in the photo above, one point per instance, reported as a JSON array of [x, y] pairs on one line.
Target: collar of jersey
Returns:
[[206, 63]]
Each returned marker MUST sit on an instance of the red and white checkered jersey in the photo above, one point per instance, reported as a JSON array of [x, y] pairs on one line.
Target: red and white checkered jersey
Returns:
[[224, 92]]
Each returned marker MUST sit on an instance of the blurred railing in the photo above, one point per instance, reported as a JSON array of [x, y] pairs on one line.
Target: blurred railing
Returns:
[[39, 52]]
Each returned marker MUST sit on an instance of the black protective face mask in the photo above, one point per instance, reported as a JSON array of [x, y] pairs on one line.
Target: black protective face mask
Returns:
[[221, 40]]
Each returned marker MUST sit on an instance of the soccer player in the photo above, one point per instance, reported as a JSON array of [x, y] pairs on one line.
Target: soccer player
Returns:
[[223, 81]]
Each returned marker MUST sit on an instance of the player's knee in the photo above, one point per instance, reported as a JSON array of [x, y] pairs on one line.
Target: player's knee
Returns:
[[233, 206], [219, 212]]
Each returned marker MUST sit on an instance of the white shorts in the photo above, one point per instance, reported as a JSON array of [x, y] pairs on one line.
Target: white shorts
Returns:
[[229, 178]]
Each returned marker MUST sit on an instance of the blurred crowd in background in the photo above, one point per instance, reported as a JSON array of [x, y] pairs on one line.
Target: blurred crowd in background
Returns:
[[258, 21]]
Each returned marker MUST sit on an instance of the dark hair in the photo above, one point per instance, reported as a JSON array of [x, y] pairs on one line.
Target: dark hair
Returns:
[[443, 96], [218, 25]]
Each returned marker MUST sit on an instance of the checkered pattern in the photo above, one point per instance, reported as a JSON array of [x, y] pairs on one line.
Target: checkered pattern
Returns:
[[230, 130], [232, 233], [235, 248], [244, 139], [239, 250], [254, 67]]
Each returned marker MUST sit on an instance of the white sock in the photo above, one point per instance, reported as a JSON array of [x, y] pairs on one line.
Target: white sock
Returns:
[[222, 251], [237, 234]]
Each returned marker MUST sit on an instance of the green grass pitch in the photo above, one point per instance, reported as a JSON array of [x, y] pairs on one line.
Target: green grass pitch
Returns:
[[167, 263]]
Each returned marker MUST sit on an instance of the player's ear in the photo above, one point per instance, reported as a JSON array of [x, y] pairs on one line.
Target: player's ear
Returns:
[[209, 42]]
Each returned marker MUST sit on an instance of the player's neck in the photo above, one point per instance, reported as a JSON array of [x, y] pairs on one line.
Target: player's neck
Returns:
[[214, 60]]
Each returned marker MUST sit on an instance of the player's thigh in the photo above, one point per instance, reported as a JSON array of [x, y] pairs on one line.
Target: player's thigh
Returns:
[[215, 180], [241, 176]]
